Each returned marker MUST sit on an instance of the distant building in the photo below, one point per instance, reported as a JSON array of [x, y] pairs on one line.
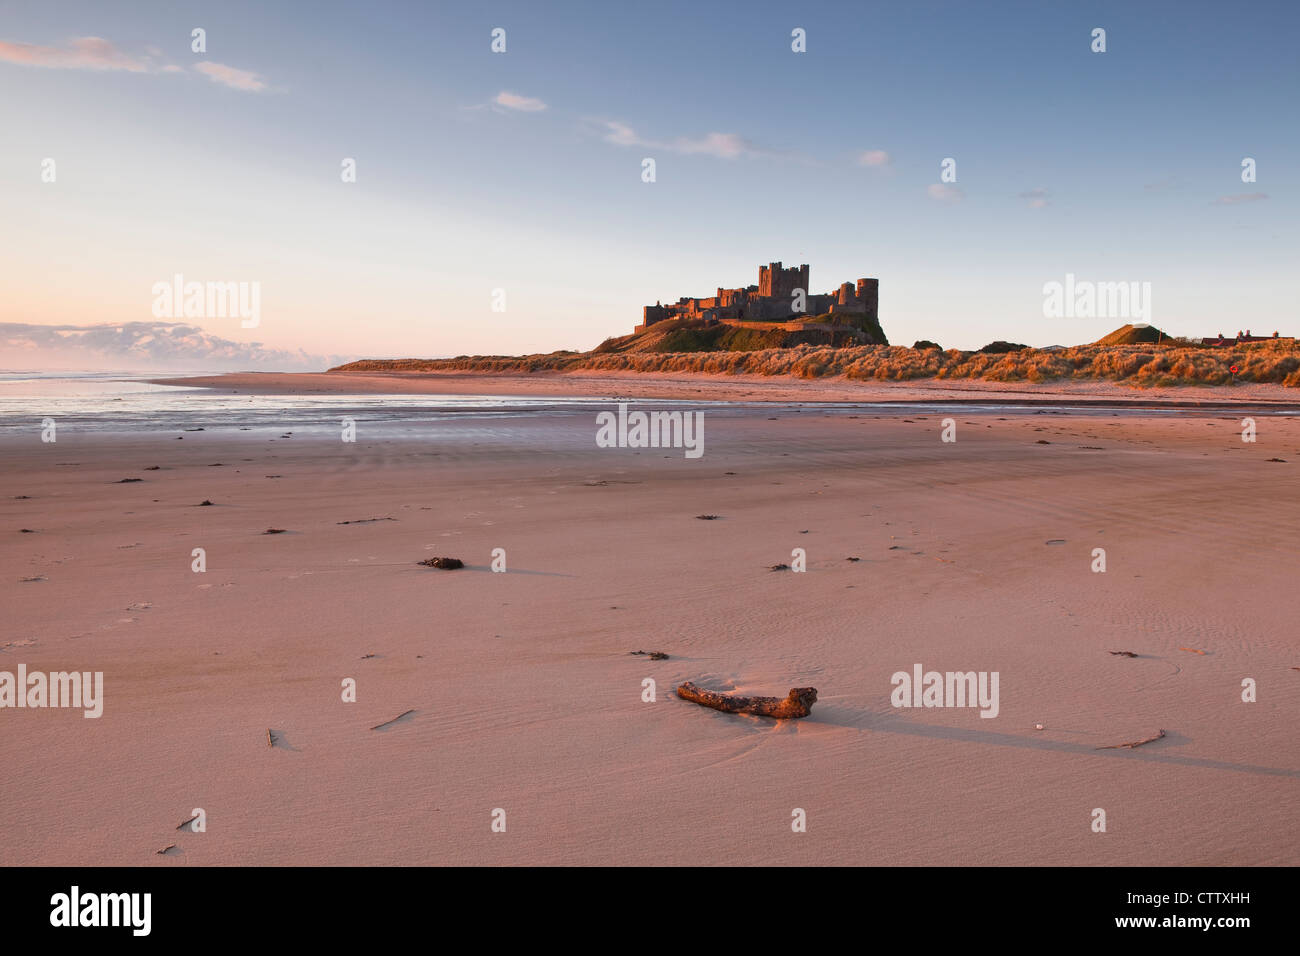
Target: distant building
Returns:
[[776, 298], [1242, 337]]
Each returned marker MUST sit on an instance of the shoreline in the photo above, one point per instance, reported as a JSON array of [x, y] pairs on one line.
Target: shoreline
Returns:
[[742, 388]]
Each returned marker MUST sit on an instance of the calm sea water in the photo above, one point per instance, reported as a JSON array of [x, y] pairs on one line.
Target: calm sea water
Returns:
[[127, 402]]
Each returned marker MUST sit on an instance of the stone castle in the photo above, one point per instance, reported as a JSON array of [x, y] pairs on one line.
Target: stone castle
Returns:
[[774, 299]]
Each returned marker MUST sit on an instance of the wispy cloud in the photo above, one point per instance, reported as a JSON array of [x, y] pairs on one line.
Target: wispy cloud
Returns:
[[1037, 198], [942, 192], [81, 53], [145, 344], [1239, 197], [96, 53], [718, 145], [874, 157], [232, 77], [513, 101]]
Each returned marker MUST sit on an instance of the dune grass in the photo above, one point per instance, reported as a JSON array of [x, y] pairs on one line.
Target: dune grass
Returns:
[[1142, 365]]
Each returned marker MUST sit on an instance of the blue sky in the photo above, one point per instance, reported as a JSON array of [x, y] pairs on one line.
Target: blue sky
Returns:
[[522, 170]]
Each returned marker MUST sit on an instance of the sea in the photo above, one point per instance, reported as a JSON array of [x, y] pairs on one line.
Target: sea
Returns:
[[127, 401]]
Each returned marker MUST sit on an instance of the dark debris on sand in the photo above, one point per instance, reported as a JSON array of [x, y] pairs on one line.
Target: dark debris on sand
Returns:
[[446, 564]]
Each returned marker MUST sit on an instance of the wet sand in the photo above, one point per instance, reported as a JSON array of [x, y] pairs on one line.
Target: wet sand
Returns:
[[974, 555]]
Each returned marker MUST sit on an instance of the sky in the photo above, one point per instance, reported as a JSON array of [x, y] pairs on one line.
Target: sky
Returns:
[[522, 170]]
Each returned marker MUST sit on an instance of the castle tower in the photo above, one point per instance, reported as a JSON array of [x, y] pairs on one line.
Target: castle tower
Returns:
[[869, 295], [777, 282]]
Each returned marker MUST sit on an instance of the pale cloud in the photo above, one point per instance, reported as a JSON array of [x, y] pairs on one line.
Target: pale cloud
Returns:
[[145, 345], [718, 145], [941, 192], [1037, 198], [513, 101], [81, 53], [1239, 197], [874, 157], [232, 77], [721, 145], [620, 134]]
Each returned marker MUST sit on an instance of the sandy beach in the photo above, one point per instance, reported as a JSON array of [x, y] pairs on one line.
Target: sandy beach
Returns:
[[522, 693], [733, 388]]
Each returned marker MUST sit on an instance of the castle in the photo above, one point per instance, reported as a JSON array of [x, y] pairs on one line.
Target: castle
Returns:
[[776, 298]]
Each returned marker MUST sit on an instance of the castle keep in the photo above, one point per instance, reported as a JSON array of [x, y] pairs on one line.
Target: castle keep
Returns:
[[774, 299]]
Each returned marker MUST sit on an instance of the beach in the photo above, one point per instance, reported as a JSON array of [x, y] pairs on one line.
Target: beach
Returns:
[[518, 690], [724, 387]]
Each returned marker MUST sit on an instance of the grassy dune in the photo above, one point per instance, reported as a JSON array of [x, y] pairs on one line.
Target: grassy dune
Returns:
[[1138, 365]]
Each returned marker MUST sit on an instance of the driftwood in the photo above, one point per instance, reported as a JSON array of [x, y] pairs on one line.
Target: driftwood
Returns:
[[186, 823], [270, 738], [797, 704], [446, 564], [1134, 743], [394, 720], [1123, 653], [1192, 650], [163, 851]]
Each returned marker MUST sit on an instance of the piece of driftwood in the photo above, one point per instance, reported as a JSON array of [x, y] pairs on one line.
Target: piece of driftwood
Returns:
[[394, 720], [1134, 743], [1192, 650], [185, 823], [446, 564], [1123, 653], [163, 851], [798, 703], [270, 738], [653, 655]]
